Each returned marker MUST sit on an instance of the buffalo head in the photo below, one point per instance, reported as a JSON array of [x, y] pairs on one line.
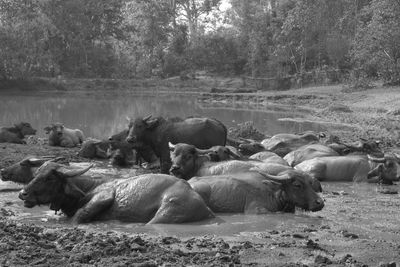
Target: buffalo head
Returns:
[[54, 129], [185, 160], [49, 185], [25, 128], [139, 128], [385, 168], [251, 148], [298, 188]]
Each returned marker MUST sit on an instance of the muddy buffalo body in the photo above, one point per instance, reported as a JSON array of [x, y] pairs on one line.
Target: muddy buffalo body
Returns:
[[16, 134], [255, 192], [357, 168], [188, 161], [149, 198], [23, 171], [157, 132]]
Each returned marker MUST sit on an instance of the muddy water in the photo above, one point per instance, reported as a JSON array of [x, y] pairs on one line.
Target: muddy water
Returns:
[[100, 117], [357, 208]]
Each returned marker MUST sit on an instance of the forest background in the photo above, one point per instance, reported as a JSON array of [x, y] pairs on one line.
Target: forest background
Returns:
[[314, 41]]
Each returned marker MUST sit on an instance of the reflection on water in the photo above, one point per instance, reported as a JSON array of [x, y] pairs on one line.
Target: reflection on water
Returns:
[[100, 117]]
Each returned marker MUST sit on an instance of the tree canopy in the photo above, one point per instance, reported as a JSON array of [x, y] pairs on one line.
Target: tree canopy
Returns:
[[259, 38]]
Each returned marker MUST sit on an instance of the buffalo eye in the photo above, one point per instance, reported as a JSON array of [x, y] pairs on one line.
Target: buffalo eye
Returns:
[[297, 184]]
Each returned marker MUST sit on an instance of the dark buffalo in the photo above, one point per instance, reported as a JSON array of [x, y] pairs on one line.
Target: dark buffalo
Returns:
[[121, 154], [59, 135], [23, 172], [94, 148], [221, 153], [149, 198], [157, 132], [309, 152], [188, 161], [352, 168], [143, 153], [254, 192], [16, 134]]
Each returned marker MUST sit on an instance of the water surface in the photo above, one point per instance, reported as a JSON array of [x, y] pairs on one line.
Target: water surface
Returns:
[[103, 116]]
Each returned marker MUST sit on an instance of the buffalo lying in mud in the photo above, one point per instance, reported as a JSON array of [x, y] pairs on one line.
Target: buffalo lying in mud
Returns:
[[309, 152], [121, 154], [157, 132], [149, 198], [143, 153], [59, 135], [15, 134], [23, 172], [357, 168], [280, 144], [188, 161], [94, 148], [254, 192], [269, 157]]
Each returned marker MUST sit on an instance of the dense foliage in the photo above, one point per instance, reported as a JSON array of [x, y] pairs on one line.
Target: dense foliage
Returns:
[[259, 38]]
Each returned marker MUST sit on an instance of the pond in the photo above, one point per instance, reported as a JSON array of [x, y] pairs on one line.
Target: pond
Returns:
[[102, 116]]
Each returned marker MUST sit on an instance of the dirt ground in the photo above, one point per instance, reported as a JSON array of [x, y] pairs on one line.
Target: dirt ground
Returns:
[[354, 230]]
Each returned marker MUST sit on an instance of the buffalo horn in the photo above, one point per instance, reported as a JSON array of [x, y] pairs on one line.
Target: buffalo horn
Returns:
[[275, 178], [171, 146], [234, 154], [378, 160], [204, 151], [146, 118], [69, 172]]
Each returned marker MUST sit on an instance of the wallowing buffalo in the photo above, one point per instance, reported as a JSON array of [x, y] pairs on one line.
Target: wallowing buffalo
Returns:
[[144, 153], [157, 132], [94, 148], [188, 161], [59, 135], [149, 198], [352, 168], [254, 192], [309, 152], [16, 133], [23, 171]]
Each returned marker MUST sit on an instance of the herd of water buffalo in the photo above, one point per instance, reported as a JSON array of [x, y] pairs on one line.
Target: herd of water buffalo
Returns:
[[202, 171]]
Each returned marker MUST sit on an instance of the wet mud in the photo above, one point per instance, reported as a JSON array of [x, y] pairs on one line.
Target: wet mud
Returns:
[[359, 225]]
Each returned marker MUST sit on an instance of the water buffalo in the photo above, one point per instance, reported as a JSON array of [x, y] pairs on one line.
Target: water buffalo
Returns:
[[309, 152], [188, 161], [254, 192], [149, 198], [221, 153], [143, 153], [15, 134], [59, 135], [94, 148], [121, 154], [157, 132], [23, 172], [269, 157], [282, 144], [351, 168]]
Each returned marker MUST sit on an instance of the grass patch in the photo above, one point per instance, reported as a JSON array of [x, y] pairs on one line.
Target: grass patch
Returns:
[[32, 84]]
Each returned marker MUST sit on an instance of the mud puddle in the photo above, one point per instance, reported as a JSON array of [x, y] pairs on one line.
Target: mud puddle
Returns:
[[360, 209]]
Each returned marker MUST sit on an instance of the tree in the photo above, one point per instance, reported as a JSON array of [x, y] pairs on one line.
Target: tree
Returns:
[[376, 49]]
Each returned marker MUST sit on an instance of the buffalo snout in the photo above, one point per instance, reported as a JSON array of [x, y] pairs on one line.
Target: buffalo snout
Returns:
[[131, 139], [23, 195], [317, 205]]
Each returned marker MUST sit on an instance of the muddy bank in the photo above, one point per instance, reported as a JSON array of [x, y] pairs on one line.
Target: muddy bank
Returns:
[[359, 225]]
